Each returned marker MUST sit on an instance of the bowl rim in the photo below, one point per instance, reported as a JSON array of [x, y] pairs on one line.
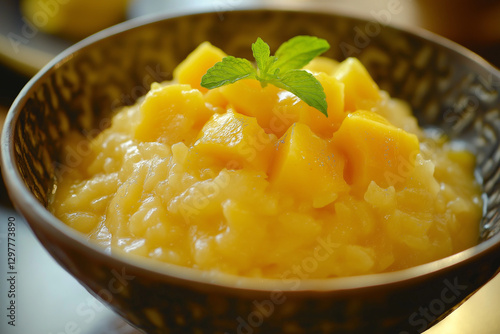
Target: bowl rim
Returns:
[[32, 210]]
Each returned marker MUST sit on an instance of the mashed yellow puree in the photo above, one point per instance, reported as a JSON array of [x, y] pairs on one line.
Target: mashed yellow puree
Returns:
[[252, 181]]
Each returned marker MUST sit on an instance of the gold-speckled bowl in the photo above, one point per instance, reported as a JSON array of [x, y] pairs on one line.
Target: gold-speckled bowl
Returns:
[[448, 87]]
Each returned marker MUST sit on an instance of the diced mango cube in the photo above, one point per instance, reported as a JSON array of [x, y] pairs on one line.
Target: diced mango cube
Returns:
[[359, 85], [172, 114], [307, 167], [191, 70], [322, 64], [215, 99], [236, 140], [284, 113], [290, 109], [247, 97], [375, 150], [321, 125]]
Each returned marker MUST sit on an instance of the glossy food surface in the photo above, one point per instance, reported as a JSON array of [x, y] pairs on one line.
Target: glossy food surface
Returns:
[[250, 180]]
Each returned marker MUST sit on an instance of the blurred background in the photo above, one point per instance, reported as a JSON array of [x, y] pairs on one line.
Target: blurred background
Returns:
[[32, 32]]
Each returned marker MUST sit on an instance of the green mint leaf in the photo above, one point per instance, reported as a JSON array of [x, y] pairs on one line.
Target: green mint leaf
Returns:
[[298, 52], [281, 70], [227, 71], [306, 87], [262, 55]]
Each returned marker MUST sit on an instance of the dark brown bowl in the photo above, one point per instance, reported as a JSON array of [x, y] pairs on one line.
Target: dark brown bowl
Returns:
[[448, 87]]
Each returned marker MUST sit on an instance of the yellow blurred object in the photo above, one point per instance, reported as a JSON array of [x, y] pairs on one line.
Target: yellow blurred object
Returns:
[[73, 19]]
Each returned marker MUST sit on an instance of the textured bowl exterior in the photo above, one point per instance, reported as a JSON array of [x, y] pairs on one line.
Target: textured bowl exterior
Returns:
[[447, 86]]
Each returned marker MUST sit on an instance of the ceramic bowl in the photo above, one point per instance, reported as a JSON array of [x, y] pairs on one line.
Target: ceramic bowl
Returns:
[[448, 87]]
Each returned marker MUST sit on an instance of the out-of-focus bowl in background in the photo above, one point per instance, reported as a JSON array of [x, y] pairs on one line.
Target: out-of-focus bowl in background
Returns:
[[86, 83], [473, 23], [32, 32]]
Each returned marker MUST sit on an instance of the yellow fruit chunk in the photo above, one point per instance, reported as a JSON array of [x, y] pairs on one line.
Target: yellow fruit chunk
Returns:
[[290, 109], [360, 89], [375, 150], [236, 140], [247, 97], [172, 114], [196, 65], [307, 167], [215, 98], [321, 125], [322, 64]]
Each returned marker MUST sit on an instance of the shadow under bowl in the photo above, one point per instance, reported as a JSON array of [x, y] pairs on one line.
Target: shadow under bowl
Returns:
[[447, 86]]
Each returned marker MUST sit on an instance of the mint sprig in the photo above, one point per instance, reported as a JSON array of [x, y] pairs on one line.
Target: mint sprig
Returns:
[[282, 70]]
